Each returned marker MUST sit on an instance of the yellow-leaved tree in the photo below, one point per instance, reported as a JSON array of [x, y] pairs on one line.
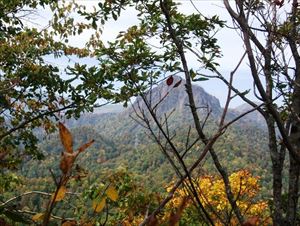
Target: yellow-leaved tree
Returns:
[[211, 191]]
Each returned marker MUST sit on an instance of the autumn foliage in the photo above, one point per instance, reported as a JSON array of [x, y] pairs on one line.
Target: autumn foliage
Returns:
[[181, 210], [67, 160], [211, 190]]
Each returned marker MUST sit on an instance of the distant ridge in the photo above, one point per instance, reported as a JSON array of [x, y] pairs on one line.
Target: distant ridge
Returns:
[[253, 117]]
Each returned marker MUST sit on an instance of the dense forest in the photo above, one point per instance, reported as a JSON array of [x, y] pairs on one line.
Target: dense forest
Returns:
[[125, 133]]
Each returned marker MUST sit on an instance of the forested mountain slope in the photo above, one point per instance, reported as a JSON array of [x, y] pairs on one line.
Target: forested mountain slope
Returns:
[[121, 141]]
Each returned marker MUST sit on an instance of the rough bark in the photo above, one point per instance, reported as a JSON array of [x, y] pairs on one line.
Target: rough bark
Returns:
[[294, 170], [277, 158]]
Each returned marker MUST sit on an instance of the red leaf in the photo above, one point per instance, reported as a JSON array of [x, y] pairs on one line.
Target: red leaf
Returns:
[[279, 3], [177, 83], [170, 80]]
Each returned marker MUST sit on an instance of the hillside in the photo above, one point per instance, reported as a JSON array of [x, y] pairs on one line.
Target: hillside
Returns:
[[254, 118], [121, 141]]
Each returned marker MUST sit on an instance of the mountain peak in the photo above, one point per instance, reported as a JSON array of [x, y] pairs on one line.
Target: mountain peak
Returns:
[[171, 94]]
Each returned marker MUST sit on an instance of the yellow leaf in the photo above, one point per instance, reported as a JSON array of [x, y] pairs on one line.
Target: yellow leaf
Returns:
[[60, 194], [98, 206], [38, 217], [66, 138], [112, 193]]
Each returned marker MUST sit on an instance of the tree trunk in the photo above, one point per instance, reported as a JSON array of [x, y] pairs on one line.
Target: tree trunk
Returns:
[[293, 193], [277, 157], [294, 170]]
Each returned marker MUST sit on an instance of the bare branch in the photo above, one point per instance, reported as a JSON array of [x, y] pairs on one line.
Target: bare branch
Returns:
[[32, 193]]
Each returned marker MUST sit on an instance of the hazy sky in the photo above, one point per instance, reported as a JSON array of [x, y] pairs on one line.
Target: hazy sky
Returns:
[[229, 41]]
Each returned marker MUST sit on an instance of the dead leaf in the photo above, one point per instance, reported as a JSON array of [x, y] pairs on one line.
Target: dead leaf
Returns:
[[85, 146], [66, 162], [66, 138], [69, 223], [251, 221]]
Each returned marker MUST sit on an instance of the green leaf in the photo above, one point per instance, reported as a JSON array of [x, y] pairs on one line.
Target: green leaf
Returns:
[[200, 79], [16, 217], [281, 85], [115, 16], [192, 74], [94, 24], [245, 92]]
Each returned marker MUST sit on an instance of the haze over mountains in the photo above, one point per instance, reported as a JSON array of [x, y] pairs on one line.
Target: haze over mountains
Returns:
[[168, 99], [121, 141]]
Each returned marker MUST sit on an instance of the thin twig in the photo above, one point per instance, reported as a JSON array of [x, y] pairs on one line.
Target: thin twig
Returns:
[[229, 91], [33, 193]]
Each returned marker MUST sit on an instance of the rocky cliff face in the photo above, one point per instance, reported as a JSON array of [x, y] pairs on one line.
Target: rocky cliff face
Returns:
[[167, 98]]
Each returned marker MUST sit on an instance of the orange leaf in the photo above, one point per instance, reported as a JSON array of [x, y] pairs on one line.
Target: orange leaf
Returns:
[[85, 146], [66, 162], [66, 138], [69, 223], [252, 221], [60, 194], [98, 206]]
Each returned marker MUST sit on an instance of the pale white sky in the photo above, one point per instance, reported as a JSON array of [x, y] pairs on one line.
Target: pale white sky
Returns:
[[229, 41]]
